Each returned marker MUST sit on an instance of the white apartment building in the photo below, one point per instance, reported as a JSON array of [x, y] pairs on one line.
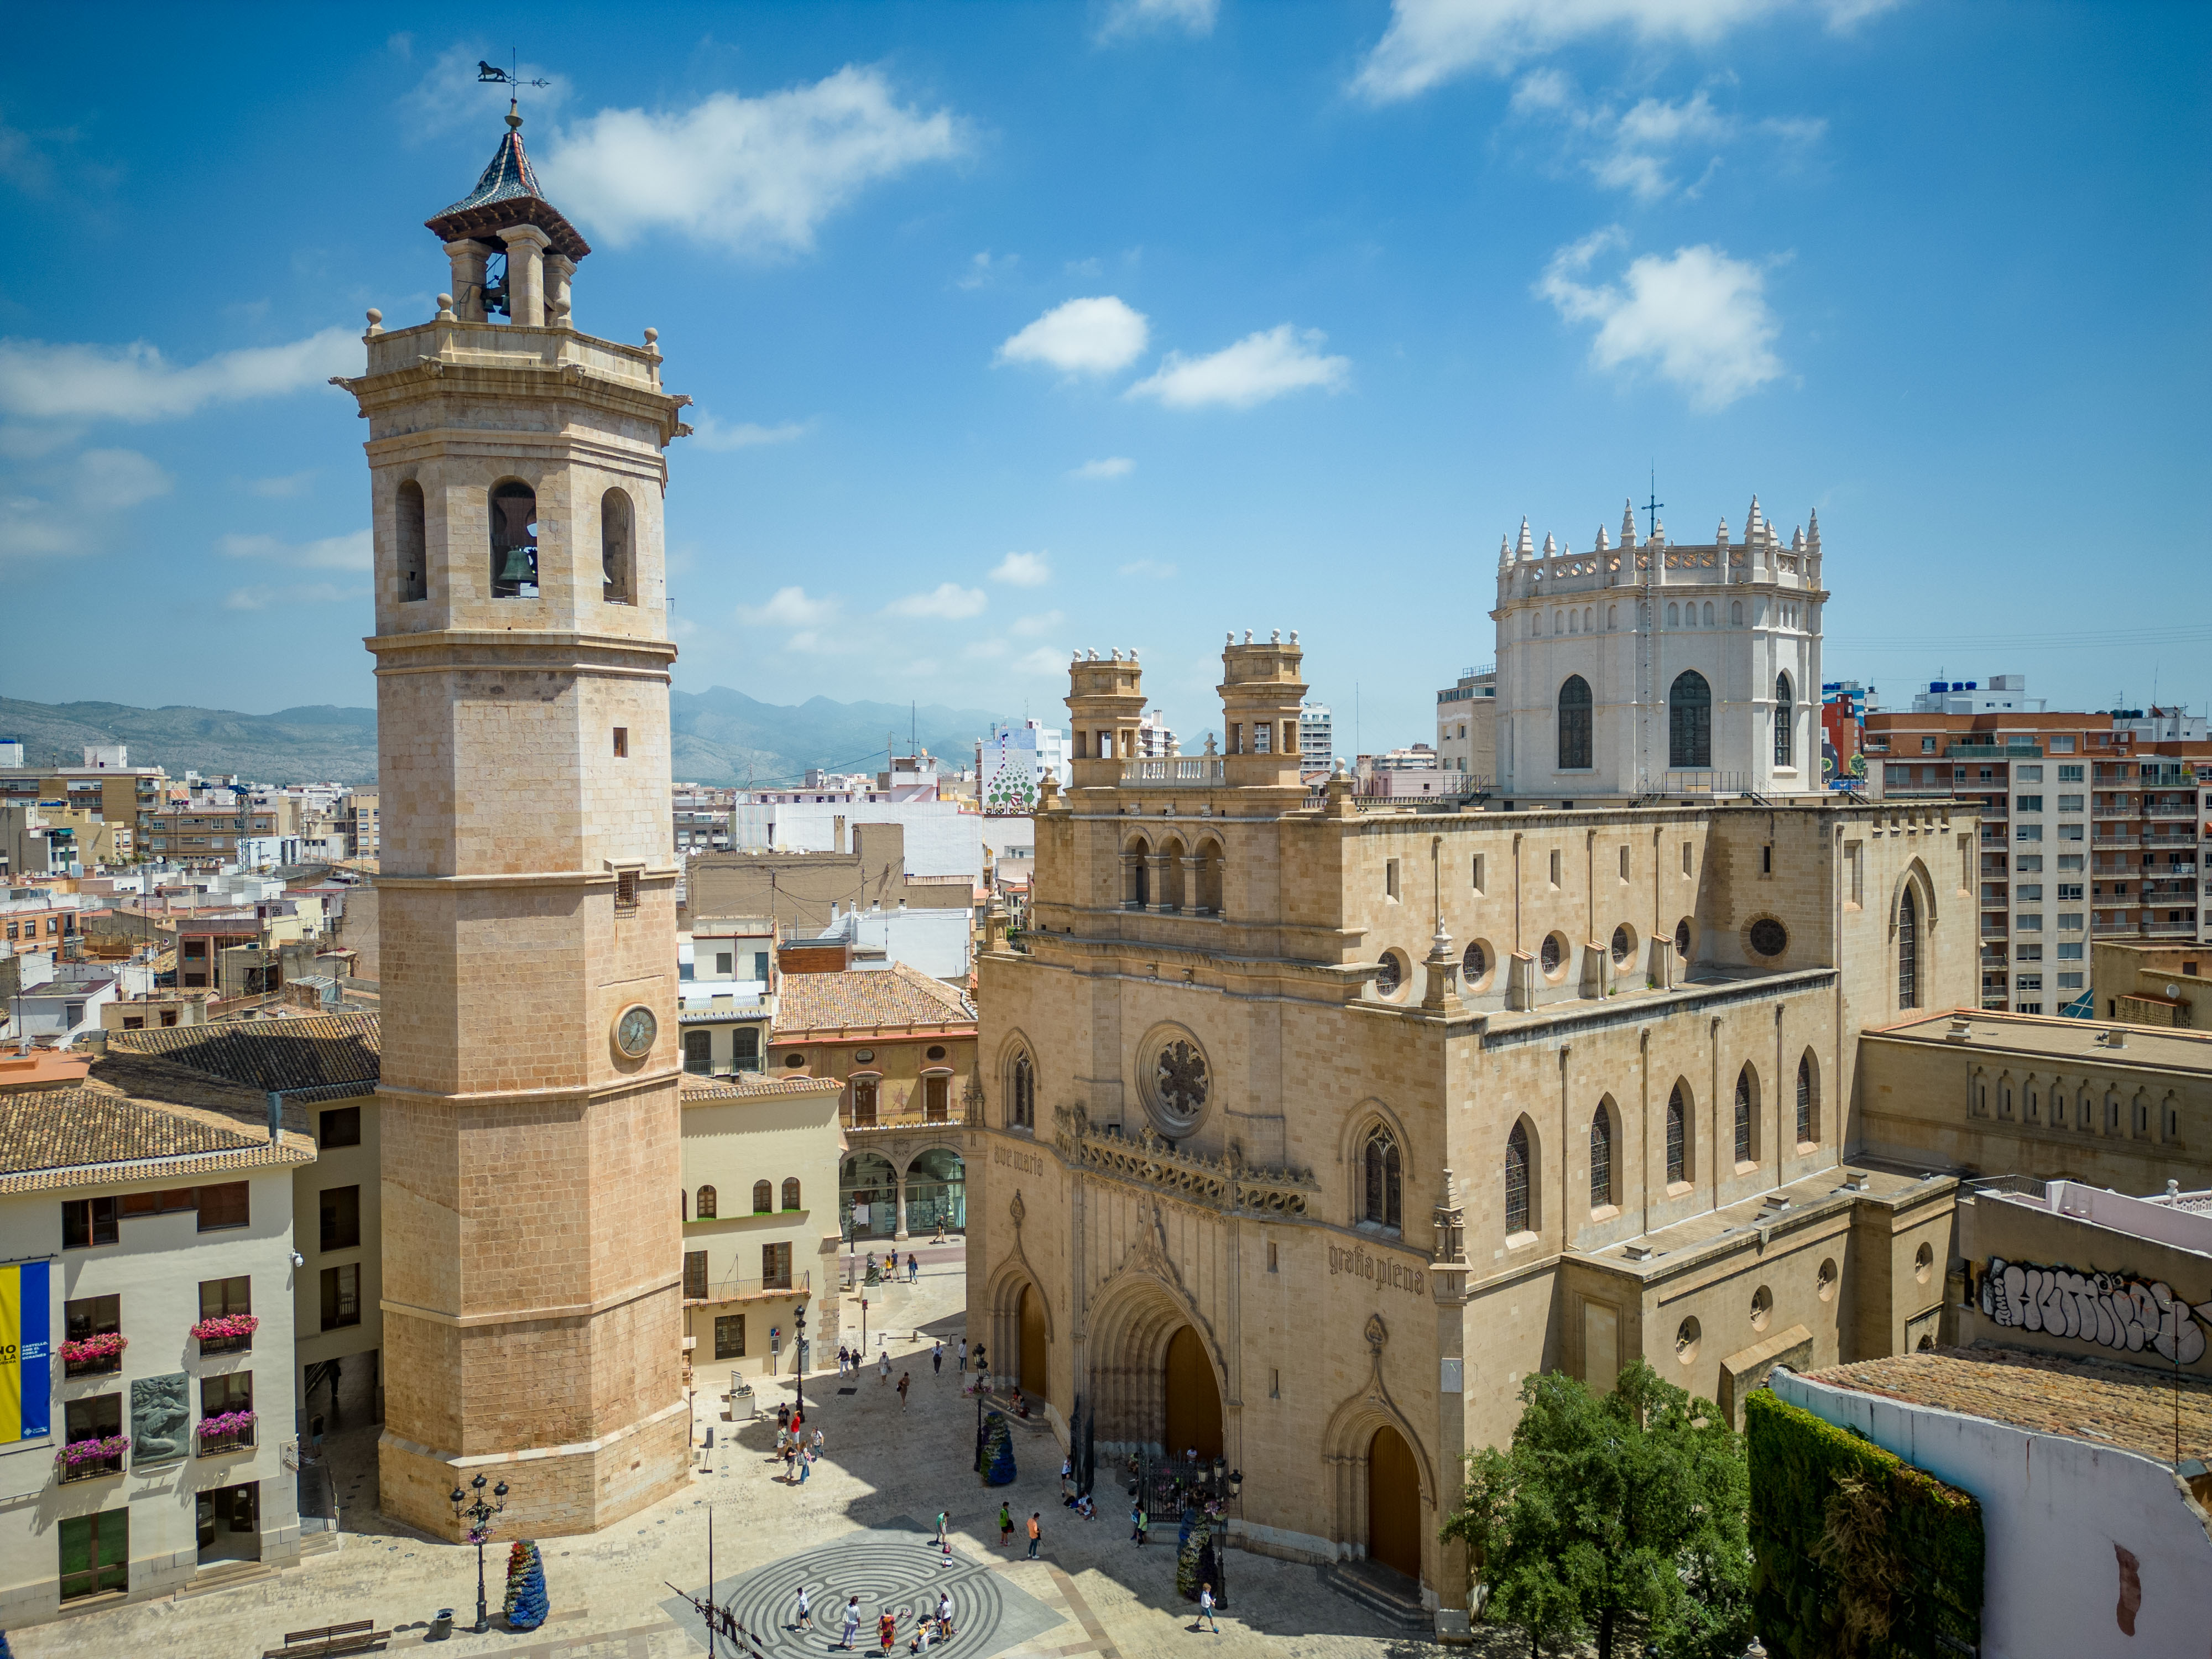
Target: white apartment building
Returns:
[[151, 1287], [726, 991], [1317, 737]]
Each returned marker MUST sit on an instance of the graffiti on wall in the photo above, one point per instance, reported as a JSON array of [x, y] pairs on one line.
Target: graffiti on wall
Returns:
[[2113, 1310]]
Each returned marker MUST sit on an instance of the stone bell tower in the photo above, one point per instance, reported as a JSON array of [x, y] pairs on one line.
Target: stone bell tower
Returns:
[[532, 1301]]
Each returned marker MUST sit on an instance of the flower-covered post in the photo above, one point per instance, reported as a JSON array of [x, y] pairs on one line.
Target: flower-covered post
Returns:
[[479, 1515]]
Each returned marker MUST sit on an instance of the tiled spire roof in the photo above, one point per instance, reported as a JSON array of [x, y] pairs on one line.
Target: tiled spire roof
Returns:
[[505, 195]]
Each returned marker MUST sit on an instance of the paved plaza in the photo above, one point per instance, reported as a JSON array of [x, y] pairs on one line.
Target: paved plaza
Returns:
[[862, 1523]]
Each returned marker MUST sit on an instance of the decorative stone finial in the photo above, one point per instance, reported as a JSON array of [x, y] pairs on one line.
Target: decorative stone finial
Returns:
[[1721, 536], [1294, 636], [375, 320], [514, 116], [445, 308], [1274, 636], [1813, 529], [652, 340], [1132, 653], [1229, 638], [1247, 636], [1797, 539], [1603, 544], [1752, 522], [1525, 547], [1117, 652], [1628, 524]]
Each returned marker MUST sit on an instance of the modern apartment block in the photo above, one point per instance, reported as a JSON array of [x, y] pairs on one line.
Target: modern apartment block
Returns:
[[1466, 724], [2092, 826], [1317, 737]]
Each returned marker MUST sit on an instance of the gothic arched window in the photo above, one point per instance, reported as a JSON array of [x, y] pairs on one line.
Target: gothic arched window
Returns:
[[1785, 723], [1516, 1180], [1908, 950], [1690, 721], [1022, 1107], [1601, 1158], [1805, 1098], [1743, 1115], [705, 1204], [1383, 1171], [764, 1198], [1677, 1137], [1574, 724]]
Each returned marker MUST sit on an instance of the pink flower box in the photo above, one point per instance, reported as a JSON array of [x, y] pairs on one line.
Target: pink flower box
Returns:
[[226, 1327]]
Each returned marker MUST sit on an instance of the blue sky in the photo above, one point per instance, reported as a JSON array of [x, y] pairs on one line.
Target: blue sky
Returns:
[[1015, 329]]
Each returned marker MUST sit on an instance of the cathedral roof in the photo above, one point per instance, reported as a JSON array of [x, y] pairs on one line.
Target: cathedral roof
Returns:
[[506, 195]]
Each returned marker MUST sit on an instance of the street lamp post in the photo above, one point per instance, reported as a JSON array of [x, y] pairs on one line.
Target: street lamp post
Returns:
[[479, 1515], [798, 1369]]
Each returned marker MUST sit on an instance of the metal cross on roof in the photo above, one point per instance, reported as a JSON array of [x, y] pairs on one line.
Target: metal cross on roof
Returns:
[[1652, 508]]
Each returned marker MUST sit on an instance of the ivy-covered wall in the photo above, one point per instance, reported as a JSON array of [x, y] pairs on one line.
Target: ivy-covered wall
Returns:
[[1855, 1551]]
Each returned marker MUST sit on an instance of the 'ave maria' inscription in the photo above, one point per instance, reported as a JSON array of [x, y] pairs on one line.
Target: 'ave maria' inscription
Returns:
[[1013, 1159], [1384, 1273]]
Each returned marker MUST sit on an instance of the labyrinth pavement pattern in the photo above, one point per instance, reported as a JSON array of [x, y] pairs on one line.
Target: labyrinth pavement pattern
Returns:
[[901, 1570]]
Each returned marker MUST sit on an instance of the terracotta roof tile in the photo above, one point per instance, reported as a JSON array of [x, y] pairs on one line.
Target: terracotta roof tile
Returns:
[[756, 1087], [2125, 1405], [891, 998], [301, 1052], [49, 1137]]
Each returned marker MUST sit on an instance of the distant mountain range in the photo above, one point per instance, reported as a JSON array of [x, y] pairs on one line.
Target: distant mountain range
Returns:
[[720, 736]]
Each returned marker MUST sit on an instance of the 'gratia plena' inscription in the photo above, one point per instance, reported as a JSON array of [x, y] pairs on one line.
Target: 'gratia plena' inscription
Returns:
[[1384, 1273]]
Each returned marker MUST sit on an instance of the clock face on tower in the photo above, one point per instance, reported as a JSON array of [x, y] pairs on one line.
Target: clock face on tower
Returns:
[[634, 1029]]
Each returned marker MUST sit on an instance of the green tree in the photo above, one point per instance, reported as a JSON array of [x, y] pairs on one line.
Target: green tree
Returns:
[[1619, 1517]]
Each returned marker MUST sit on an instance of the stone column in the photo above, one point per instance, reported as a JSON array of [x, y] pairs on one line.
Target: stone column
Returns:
[[525, 273], [468, 256], [1158, 863], [898, 1185], [559, 270]]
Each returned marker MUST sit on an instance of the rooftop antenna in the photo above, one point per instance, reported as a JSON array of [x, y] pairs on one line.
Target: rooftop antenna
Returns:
[[1652, 506]]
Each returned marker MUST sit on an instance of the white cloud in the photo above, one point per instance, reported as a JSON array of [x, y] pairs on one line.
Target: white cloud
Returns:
[[1108, 467], [290, 485], [790, 608], [1432, 41], [1045, 659], [947, 601], [42, 382], [1093, 336], [353, 551], [1697, 319], [755, 175], [69, 506], [1636, 150], [708, 432], [450, 98], [1257, 368], [983, 268], [1127, 17], [261, 597], [1152, 567], [1031, 628], [1022, 570]]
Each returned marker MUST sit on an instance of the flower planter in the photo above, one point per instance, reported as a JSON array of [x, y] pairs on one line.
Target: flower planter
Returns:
[[89, 1459], [212, 1345], [93, 1355], [226, 1332], [229, 1433], [106, 1366]]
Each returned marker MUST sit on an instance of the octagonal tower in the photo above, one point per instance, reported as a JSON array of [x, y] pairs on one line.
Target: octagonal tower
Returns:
[[532, 1297]]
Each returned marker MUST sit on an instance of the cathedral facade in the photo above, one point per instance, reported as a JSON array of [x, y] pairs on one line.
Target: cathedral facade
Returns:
[[1311, 1127], [531, 1294]]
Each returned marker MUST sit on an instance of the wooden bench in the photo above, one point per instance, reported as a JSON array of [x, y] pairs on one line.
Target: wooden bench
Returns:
[[360, 1637]]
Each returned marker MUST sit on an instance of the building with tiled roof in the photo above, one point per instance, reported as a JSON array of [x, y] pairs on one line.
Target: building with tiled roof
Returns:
[[71, 1137], [902, 1047]]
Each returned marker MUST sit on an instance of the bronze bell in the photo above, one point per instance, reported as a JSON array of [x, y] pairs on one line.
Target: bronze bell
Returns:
[[519, 566]]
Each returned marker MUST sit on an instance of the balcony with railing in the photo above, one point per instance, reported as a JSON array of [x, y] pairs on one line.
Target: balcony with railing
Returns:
[[2011, 748], [91, 1459], [1175, 771], [226, 1432], [731, 1287], [97, 1355]]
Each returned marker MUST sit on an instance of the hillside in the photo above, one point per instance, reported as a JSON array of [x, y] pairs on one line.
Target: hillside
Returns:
[[720, 736]]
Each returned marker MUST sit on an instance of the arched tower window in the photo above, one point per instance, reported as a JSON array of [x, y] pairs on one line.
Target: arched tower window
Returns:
[[617, 550], [1690, 722], [1785, 723], [705, 1204], [1743, 1115], [1384, 1171], [414, 542], [1677, 1137], [1209, 878], [1601, 1158], [1574, 724], [1516, 1180], [764, 1198], [1908, 950], [1021, 1110], [514, 540], [791, 1192], [1137, 866], [1805, 1098]]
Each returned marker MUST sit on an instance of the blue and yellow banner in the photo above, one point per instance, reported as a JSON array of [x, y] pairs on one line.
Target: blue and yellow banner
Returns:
[[26, 1362]]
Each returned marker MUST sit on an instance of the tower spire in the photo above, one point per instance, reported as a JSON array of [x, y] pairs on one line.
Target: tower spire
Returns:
[[1628, 523], [1525, 547]]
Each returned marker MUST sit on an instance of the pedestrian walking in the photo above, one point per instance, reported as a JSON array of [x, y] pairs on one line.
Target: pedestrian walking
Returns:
[[937, 1359], [1206, 1607], [1005, 1526], [790, 1462], [843, 1356], [1140, 1524], [883, 1370], [818, 1443], [912, 1267], [964, 1356], [905, 1379], [805, 1465], [805, 1619], [1036, 1531], [887, 1631], [783, 1413], [852, 1622], [1067, 1482]]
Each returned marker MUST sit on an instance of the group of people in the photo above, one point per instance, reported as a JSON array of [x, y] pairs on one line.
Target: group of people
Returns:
[[1036, 1527], [932, 1625], [873, 1274], [798, 1451]]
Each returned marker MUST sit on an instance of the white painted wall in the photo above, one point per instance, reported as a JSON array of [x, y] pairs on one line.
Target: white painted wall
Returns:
[[2054, 1511], [932, 942], [155, 1268], [941, 840]]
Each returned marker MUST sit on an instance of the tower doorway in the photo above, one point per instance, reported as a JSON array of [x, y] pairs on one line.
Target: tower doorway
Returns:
[[1393, 1503], [1193, 1400], [1034, 1343]]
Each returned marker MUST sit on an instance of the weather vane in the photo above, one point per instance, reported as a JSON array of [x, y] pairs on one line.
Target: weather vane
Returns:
[[506, 77]]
